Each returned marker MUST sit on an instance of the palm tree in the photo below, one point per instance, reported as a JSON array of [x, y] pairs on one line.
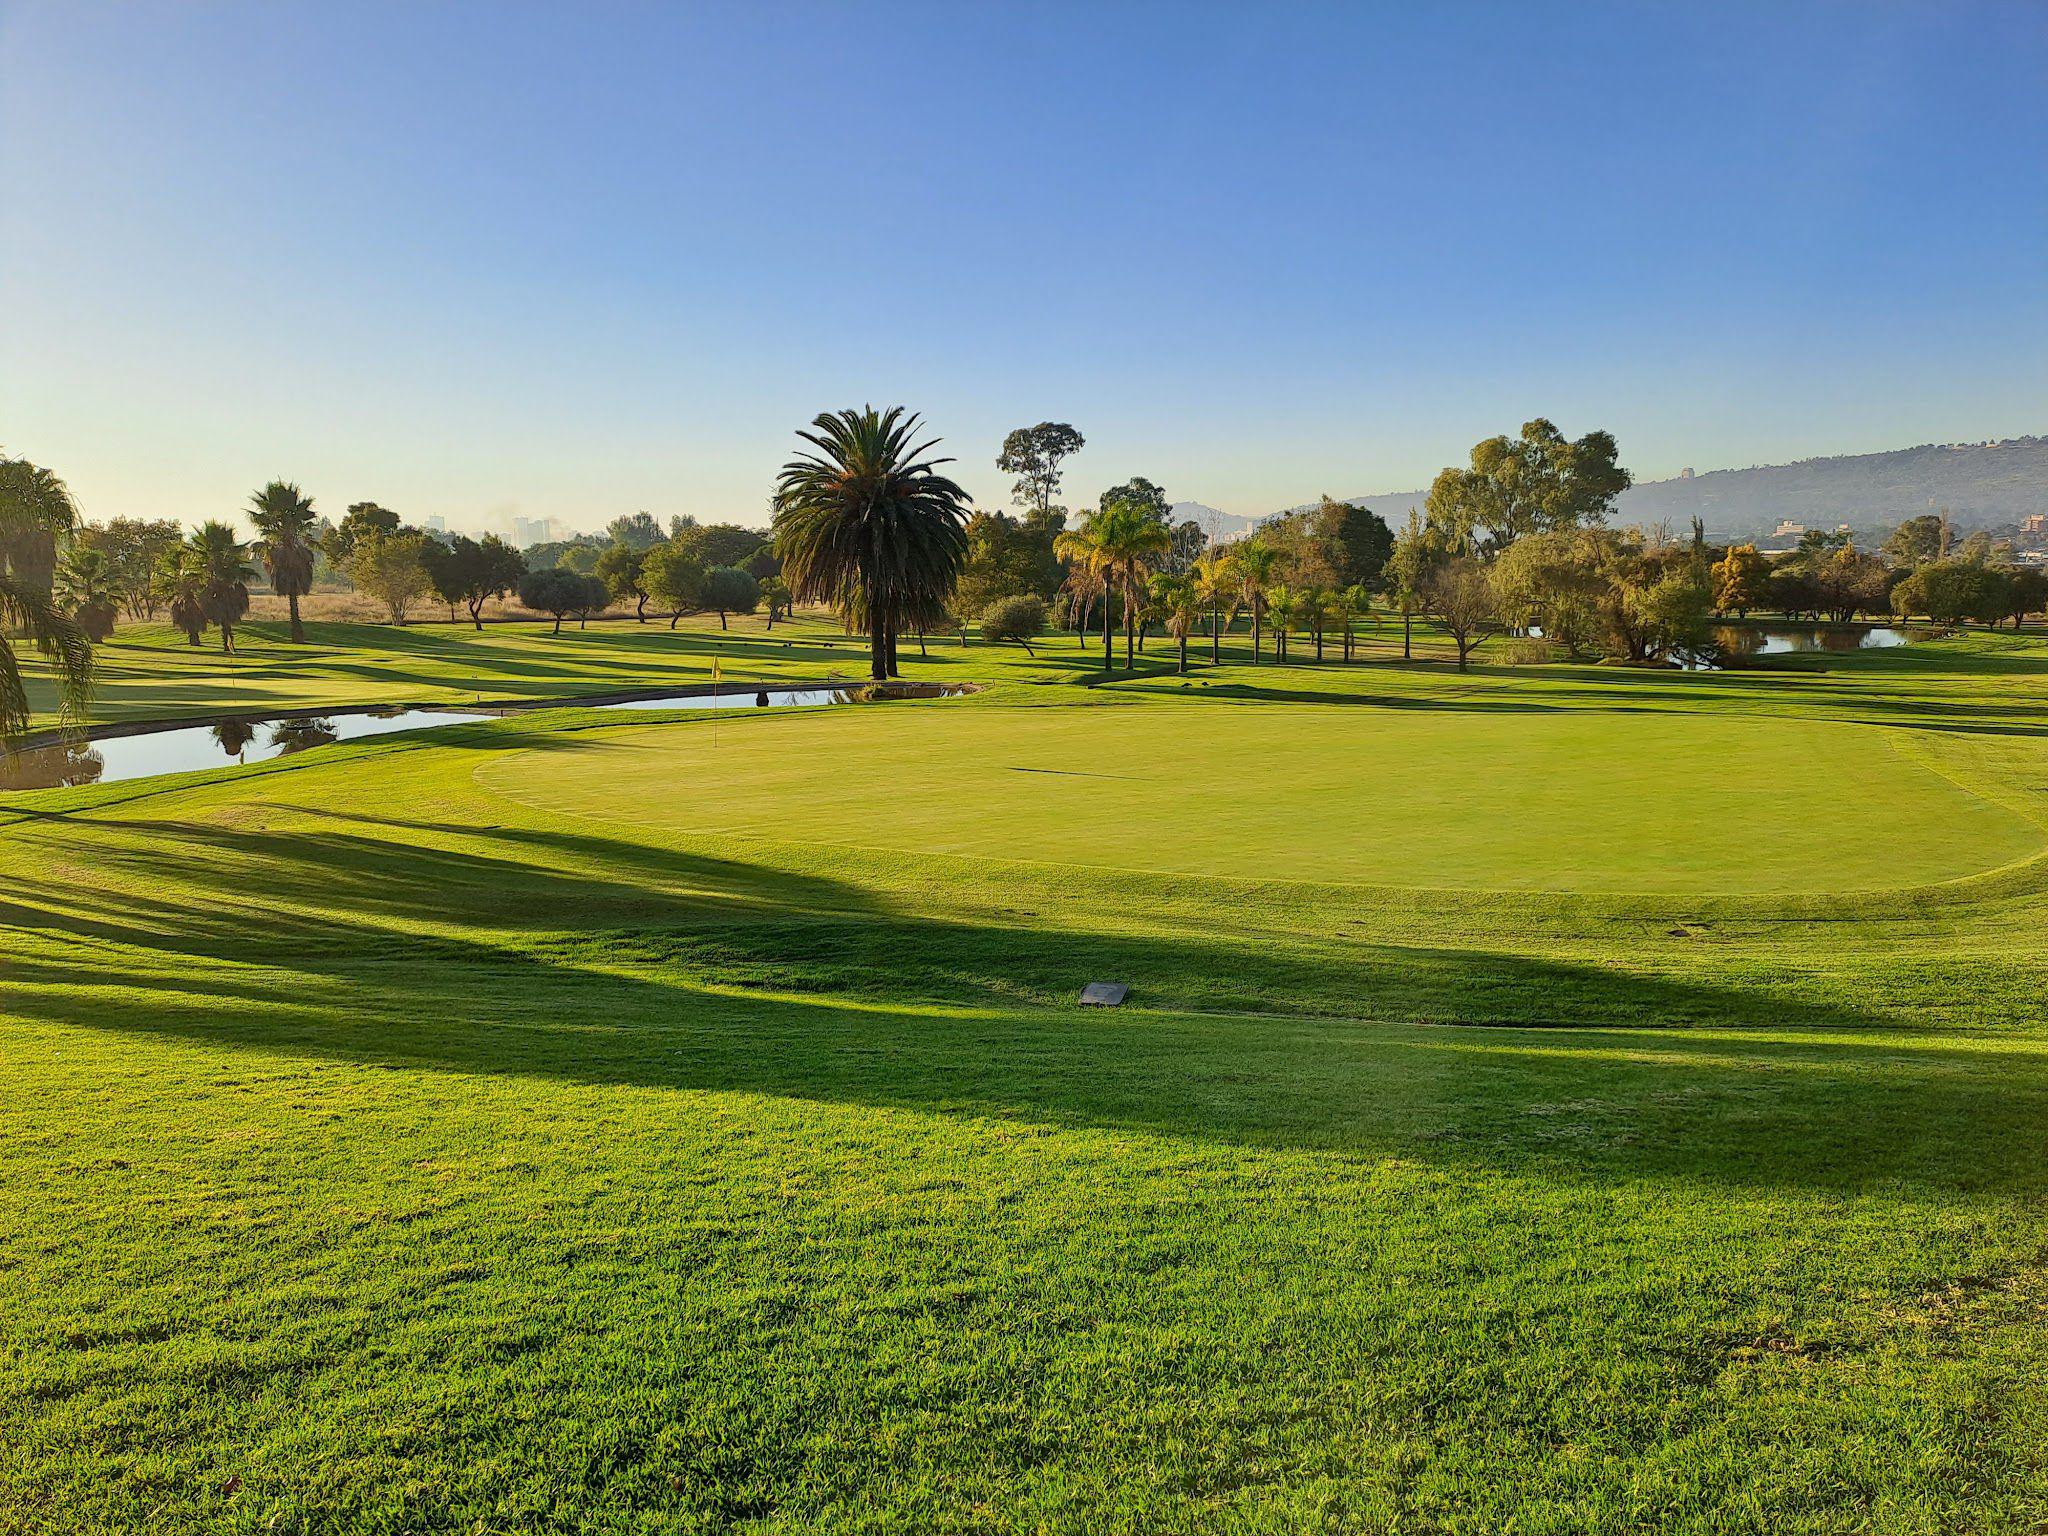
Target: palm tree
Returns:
[[35, 509], [225, 573], [179, 581], [1257, 564], [1357, 600], [85, 585], [1084, 584], [1131, 535], [1179, 602], [1284, 604], [283, 515], [1216, 583], [1090, 567], [1318, 608], [867, 524]]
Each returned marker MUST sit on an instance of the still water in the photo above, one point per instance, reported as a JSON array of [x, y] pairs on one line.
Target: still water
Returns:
[[1733, 644], [180, 749]]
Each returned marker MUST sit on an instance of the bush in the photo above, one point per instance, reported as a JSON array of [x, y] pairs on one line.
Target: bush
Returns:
[[1018, 619]]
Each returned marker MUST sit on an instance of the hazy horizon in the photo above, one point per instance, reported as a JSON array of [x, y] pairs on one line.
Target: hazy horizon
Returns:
[[476, 264]]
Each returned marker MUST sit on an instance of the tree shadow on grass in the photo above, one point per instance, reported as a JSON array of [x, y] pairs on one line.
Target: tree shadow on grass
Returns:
[[569, 956]]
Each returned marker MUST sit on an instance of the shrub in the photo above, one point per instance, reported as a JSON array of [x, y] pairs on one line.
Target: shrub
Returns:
[[1018, 619]]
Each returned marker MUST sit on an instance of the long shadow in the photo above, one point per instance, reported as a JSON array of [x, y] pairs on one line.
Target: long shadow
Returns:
[[571, 956]]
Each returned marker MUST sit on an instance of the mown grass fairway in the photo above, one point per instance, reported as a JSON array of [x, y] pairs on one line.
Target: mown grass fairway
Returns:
[[559, 1124]]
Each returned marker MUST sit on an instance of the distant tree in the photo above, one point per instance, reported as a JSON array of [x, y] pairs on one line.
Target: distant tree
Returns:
[[85, 590], [1034, 455], [1668, 609], [1529, 484], [1919, 540], [284, 520], [1188, 542], [775, 594], [674, 579], [592, 596], [1355, 542], [553, 591], [1283, 607], [1356, 604], [636, 530], [1318, 605], [1419, 550], [225, 574], [392, 568], [1556, 580], [473, 571], [1019, 619], [622, 569], [2026, 591], [728, 589], [133, 546], [1008, 557], [179, 583], [1218, 585], [1258, 566], [1460, 594], [1128, 533], [339, 544], [1179, 604], [723, 544], [1847, 583], [1952, 592], [1741, 580], [866, 523]]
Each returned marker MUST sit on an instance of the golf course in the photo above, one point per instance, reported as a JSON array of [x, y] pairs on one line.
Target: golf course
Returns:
[[1562, 1099]]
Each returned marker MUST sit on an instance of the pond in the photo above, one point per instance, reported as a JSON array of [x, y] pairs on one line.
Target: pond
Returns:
[[1733, 644], [240, 739]]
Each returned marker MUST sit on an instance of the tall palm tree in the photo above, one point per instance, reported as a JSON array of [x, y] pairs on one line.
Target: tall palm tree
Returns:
[[867, 524], [225, 573], [283, 515], [1131, 536], [1257, 564], [1216, 583], [1084, 584], [1091, 569], [1357, 605], [35, 509]]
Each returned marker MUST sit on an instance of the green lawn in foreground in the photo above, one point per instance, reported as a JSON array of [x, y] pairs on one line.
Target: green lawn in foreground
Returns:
[[386, 1151]]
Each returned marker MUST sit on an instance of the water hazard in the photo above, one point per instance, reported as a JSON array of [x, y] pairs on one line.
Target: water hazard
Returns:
[[239, 739]]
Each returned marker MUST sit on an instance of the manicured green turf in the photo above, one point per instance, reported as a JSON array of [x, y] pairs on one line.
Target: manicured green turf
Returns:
[[389, 1148], [1486, 798]]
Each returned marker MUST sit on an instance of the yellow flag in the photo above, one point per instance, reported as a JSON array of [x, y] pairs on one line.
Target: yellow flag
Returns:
[[714, 669]]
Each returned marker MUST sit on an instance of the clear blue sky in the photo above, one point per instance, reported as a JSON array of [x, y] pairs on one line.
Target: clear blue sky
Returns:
[[578, 259]]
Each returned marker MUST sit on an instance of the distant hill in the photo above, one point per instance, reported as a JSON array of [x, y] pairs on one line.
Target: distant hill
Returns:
[[1983, 485]]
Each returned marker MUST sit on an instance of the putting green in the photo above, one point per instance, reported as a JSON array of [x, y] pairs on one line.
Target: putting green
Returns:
[[1584, 800]]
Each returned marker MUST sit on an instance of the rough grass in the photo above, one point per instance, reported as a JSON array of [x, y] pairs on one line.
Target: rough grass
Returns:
[[386, 1151]]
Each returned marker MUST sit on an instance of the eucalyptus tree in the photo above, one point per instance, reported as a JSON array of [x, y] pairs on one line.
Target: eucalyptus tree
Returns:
[[1034, 456], [1538, 482], [284, 519], [35, 510], [866, 523]]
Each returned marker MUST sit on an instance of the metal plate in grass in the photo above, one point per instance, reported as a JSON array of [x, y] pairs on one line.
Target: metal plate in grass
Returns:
[[1104, 994]]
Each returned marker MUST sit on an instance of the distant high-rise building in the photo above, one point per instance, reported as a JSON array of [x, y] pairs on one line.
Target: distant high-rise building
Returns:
[[529, 531], [437, 524]]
